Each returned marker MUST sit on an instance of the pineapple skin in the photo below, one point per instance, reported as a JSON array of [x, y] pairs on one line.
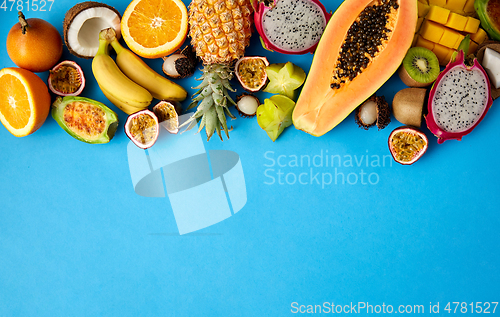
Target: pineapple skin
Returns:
[[220, 30]]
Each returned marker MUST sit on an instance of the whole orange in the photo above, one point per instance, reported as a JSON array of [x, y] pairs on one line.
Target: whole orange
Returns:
[[36, 46]]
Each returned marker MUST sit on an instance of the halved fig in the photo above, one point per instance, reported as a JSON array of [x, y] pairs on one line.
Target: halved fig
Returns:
[[168, 115], [142, 128], [407, 144], [251, 72], [66, 79]]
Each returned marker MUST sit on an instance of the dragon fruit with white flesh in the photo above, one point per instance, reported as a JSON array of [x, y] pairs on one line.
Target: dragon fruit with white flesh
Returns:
[[458, 100], [290, 26]]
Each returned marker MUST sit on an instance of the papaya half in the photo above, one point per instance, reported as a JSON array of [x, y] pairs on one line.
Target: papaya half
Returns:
[[362, 46]]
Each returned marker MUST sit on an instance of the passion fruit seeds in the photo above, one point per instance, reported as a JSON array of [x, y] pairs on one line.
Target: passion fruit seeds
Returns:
[[407, 145]]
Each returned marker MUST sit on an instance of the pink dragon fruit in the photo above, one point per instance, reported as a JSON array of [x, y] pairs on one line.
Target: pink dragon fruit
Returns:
[[458, 100], [290, 26]]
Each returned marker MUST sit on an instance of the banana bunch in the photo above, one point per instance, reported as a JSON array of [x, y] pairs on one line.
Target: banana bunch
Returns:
[[132, 84]]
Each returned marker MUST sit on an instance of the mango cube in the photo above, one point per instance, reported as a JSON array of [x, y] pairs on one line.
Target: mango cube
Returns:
[[439, 3], [438, 14], [448, 56], [441, 53], [449, 38], [479, 36], [431, 31], [423, 9], [472, 25], [456, 21], [424, 1], [455, 5], [469, 7], [459, 40], [472, 47], [419, 23], [421, 42]]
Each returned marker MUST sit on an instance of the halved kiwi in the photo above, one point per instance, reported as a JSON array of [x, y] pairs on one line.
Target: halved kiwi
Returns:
[[420, 67]]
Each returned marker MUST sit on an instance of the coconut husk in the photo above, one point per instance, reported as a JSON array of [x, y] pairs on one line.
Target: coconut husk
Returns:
[[494, 45], [73, 12]]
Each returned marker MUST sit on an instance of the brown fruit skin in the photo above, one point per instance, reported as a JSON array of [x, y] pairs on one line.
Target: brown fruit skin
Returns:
[[407, 106], [407, 80], [39, 49]]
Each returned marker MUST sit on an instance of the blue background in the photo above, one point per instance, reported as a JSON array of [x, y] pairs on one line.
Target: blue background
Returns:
[[76, 240]]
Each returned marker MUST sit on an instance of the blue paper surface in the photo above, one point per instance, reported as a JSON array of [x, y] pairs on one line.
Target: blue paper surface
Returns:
[[314, 221]]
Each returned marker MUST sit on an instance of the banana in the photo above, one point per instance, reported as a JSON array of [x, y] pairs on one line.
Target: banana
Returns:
[[118, 88], [137, 70]]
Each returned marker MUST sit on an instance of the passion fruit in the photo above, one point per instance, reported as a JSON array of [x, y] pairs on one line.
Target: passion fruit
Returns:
[[168, 115], [66, 79], [142, 128], [407, 144], [251, 72]]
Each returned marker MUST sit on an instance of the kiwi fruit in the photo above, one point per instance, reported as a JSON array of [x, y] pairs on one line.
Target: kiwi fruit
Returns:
[[408, 105], [420, 67]]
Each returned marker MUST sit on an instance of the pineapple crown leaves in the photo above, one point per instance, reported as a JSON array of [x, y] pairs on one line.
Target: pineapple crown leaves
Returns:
[[212, 99]]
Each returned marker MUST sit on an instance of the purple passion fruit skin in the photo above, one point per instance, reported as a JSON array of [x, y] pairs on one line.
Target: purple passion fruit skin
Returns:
[[407, 144], [66, 79], [85, 119], [142, 128], [251, 72]]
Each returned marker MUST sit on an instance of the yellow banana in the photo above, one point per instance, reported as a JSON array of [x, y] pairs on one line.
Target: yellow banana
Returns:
[[137, 70], [118, 88]]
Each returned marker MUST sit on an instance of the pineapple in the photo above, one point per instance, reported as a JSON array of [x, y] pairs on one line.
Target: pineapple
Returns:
[[220, 31]]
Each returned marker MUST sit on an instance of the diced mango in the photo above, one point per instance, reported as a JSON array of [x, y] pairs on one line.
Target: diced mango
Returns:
[[438, 14], [415, 38], [472, 25], [439, 3], [431, 31], [441, 53], [459, 40], [421, 42], [449, 38], [424, 1], [422, 9], [479, 36], [456, 21], [472, 47], [448, 56], [455, 5], [419, 23], [469, 7]]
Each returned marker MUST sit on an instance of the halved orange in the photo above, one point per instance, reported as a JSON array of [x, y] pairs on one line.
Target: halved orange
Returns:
[[24, 101], [154, 28]]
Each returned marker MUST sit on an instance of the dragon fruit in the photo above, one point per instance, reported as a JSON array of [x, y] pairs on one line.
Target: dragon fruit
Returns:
[[290, 26], [458, 100]]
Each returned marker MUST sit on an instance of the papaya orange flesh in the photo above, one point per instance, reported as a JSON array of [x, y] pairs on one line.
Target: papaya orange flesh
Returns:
[[327, 99]]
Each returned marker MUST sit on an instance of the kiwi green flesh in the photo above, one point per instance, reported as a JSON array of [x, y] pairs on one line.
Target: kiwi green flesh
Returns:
[[421, 67]]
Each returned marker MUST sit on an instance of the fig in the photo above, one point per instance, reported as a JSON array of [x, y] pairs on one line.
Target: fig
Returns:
[[407, 144], [85, 119], [66, 79], [142, 128], [251, 72], [247, 105]]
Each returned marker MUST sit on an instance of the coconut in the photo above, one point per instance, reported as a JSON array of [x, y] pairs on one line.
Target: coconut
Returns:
[[82, 24]]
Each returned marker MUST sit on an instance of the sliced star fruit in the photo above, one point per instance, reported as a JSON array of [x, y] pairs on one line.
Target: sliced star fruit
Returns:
[[85, 119], [275, 115], [284, 79]]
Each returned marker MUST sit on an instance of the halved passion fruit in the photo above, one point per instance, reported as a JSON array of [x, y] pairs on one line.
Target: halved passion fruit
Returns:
[[168, 115], [66, 79], [251, 72], [142, 128], [407, 144]]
